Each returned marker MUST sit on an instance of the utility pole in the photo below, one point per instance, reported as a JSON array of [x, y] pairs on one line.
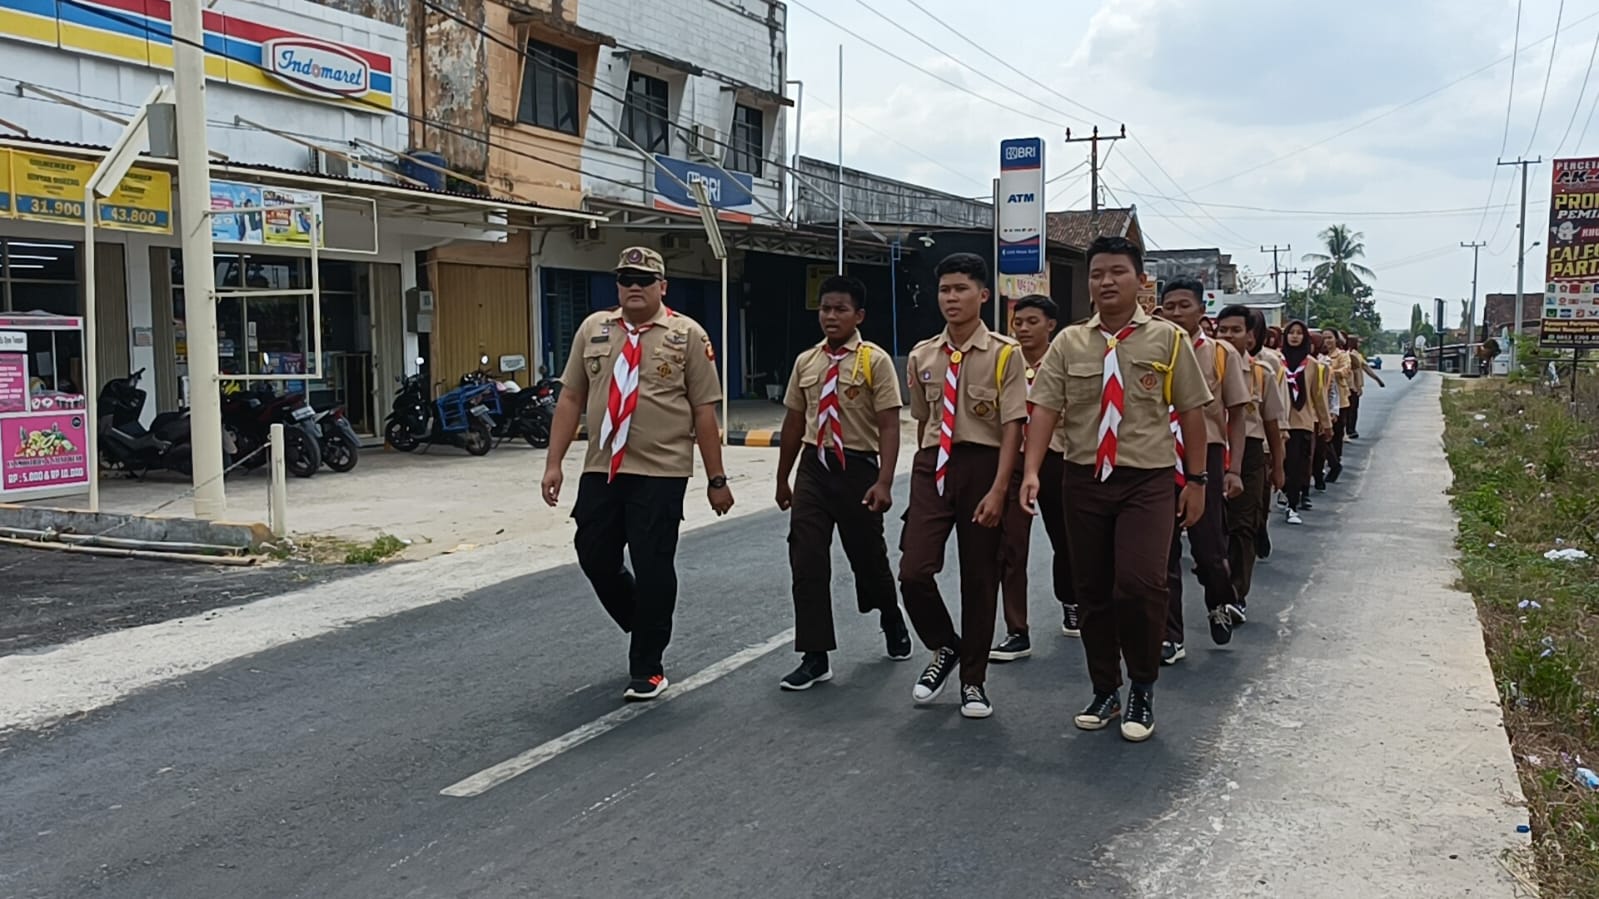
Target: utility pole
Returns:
[[1471, 320], [1276, 285], [199, 270], [1093, 159], [1521, 258], [1287, 278]]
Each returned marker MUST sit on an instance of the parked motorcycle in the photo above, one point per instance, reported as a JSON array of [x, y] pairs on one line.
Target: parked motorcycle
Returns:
[[523, 413], [341, 449], [1408, 366], [463, 417], [126, 445], [247, 420]]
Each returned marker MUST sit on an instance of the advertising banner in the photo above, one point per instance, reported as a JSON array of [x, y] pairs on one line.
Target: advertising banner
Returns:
[[5, 184], [291, 227], [242, 227], [47, 450], [142, 202], [1021, 206], [46, 188], [13, 382], [733, 198], [1571, 292]]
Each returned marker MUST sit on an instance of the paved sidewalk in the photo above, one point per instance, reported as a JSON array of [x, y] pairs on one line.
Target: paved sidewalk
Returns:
[[1370, 759]]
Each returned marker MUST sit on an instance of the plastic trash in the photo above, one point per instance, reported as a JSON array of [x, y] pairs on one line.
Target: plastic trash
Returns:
[[1523, 828], [1587, 778], [1528, 604], [1565, 555], [1479, 417], [1548, 644]]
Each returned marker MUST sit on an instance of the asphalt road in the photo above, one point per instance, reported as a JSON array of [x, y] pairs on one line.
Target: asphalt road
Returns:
[[315, 770]]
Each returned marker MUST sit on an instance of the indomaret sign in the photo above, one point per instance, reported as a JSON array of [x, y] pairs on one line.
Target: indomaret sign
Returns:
[[1571, 294]]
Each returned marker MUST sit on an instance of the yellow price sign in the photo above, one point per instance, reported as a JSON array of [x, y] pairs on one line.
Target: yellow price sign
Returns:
[[52, 189], [142, 202], [5, 184]]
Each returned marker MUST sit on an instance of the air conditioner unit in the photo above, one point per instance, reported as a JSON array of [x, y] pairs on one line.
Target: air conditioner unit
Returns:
[[586, 234], [671, 242], [705, 142], [325, 163]]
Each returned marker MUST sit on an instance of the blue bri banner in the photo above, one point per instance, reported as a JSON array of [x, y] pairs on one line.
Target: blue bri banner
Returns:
[[1021, 206]]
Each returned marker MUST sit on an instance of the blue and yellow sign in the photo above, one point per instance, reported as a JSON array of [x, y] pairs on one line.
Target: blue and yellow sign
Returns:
[[48, 188], [5, 184]]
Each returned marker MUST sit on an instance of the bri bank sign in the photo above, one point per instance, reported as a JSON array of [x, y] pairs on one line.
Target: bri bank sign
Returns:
[[316, 67]]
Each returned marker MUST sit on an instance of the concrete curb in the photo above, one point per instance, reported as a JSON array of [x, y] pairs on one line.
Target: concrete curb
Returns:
[[245, 536]]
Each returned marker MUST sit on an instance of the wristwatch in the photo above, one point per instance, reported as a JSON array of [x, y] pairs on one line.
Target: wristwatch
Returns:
[[718, 482], [1201, 479]]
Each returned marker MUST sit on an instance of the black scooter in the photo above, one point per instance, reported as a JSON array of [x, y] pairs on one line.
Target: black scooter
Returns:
[[460, 418], [1408, 366], [126, 445], [523, 413], [341, 449]]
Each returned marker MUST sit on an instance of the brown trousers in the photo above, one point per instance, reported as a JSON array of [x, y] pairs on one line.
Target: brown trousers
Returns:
[[1297, 456], [1120, 532], [1014, 583], [1207, 540], [824, 498], [1016, 532], [929, 519], [1246, 516]]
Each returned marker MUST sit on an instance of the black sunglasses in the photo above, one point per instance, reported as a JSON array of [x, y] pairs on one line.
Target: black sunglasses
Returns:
[[625, 279]]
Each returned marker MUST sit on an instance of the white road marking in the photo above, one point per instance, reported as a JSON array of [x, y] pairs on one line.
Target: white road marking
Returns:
[[489, 778]]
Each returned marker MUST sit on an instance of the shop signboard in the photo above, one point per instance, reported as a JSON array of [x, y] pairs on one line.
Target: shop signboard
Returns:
[[46, 450], [1571, 294], [1021, 206], [45, 188], [733, 197], [5, 184]]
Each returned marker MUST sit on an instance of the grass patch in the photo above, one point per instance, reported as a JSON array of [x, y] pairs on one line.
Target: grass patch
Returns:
[[320, 550], [1526, 482]]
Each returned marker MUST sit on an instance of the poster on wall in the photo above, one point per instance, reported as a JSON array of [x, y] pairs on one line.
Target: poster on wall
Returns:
[[1571, 294], [142, 202], [5, 184], [292, 227], [13, 382], [45, 188], [45, 450], [242, 227], [1148, 298]]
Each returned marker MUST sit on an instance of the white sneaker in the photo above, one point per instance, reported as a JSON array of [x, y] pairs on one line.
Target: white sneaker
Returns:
[[974, 702], [1293, 517]]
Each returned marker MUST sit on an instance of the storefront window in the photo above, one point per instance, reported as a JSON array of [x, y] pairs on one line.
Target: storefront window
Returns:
[[39, 277], [272, 334]]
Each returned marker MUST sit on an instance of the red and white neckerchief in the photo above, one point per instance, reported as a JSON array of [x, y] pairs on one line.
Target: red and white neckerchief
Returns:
[[1176, 424], [1112, 394], [1296, 384], [946, 427], [623, 398], [829, 424]]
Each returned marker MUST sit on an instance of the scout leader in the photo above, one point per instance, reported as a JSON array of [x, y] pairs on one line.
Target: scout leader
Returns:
[[1307, 414], [843, 426], [1245, 329], [1115, 379], [1181, 304], [1033, 321], [969, 398], [645, 380]]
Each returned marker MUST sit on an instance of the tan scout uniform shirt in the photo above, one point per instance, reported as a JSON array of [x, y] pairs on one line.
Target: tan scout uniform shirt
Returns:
[[1231, 389], [1070, 380], [1265, 402], [676, 373], [983, 404], [860, 397], [1343, 378], [1357, 371], [1057, 440], [1279, 376], [1314, 414]]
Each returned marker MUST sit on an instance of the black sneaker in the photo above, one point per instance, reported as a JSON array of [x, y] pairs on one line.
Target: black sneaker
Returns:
[[1321, 487], [1263, 544], [1235, 613], [1221, 626], [813, 669], [1351, 436], [643, 689], [1013, 647], [1305, 504], [931, 683], [1100, 712], [1138, 724], [1172, 653], [1070, 625], [897, 637], [974, 702]]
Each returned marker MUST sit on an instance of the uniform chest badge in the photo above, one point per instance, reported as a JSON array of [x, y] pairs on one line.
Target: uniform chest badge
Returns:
[[1148, 381], [1031, 374], [956, 357], [664, 370], [927, 376], [594, 366], [852, 392], [676, 339], [981, 409]]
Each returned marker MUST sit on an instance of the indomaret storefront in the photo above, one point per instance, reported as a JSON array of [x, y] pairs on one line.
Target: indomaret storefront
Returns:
[[300, 110]]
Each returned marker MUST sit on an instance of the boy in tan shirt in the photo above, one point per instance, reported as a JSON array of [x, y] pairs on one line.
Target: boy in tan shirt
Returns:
[[1114, 381]]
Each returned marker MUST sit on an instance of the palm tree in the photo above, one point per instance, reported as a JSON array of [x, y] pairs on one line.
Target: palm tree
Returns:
[[1336, 270]]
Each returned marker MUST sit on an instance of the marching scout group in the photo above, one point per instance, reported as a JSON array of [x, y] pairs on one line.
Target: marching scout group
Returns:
[[1122, 432]]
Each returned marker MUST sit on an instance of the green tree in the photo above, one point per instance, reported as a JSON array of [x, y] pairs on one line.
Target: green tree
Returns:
[[1336, 270]]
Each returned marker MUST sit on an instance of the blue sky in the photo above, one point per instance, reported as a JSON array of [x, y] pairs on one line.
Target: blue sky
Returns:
[[1227, 96]]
